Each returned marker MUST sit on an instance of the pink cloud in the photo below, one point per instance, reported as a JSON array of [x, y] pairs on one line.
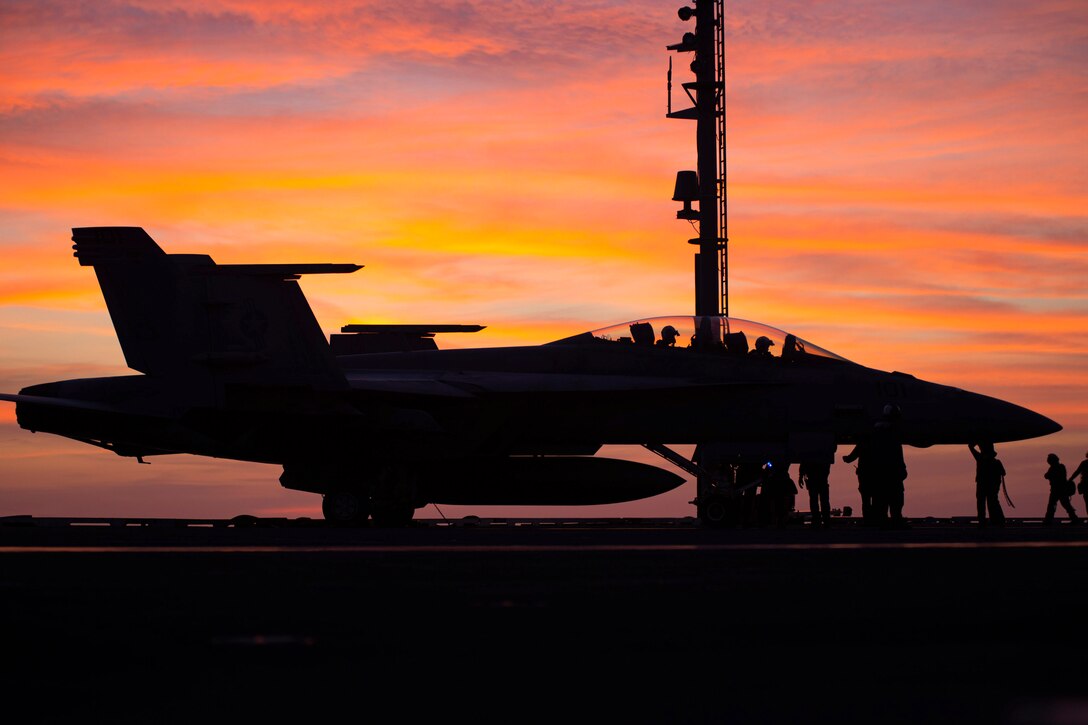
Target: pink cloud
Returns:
[[907, 183]]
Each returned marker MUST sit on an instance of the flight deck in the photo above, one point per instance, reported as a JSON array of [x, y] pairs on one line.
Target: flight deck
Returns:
[[645, 620]]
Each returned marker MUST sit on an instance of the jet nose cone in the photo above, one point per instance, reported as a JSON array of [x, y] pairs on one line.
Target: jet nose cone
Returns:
[[1041, 425], [953, 416], [1009, 422]]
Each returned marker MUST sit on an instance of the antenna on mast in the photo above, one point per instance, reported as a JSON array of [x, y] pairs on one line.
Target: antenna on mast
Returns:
[[707, 185]]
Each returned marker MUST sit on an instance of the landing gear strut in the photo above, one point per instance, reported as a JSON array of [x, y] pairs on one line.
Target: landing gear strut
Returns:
[[715, 508]]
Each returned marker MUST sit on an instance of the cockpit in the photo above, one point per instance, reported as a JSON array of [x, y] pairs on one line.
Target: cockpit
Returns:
[[717, 334]]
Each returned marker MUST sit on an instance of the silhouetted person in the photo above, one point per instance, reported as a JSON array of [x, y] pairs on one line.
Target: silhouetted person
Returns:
[[1060, 490], [707, 337], [865, 479], [888, 468], [989, 475], [1082, 487], [779, 491], [813, 475], [668, 336], [792, 348], [762, 348]]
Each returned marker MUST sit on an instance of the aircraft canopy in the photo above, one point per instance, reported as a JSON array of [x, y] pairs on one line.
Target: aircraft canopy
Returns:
[[710, 333]]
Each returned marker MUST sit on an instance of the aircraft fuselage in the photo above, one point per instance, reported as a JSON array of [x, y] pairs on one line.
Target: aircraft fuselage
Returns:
[[532, 400]]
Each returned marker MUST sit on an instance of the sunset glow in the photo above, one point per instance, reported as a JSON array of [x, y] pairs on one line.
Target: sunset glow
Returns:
[[907, 189]]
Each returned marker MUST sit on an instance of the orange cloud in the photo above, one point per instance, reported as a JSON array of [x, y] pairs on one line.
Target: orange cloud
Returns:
[[906, 182]]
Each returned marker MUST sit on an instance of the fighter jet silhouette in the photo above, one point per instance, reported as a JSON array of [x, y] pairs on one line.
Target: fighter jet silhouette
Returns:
[[233, 364]]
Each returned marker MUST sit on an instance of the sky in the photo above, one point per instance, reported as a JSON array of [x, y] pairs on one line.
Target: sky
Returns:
[[907, 188]]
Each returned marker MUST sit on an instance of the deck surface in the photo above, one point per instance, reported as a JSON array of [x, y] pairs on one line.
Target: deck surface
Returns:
[[641, 620]]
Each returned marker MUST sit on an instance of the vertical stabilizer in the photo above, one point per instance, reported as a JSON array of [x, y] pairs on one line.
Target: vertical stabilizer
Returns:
[[184, 316]]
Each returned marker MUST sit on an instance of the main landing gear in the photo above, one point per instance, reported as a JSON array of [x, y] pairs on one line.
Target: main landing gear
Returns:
[[390, 502], [345, 507], [350, 508]]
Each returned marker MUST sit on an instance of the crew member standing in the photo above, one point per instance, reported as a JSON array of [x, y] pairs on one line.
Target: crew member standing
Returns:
[[889, 468], [989, 475], [813, 475], [1060, 490], [865, 481], [778, 493], [1082, 487]]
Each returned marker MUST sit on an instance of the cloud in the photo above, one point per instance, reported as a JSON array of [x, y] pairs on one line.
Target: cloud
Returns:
[[906, 179]]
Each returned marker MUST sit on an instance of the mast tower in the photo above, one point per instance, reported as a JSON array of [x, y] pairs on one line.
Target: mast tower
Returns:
[[707, 186]]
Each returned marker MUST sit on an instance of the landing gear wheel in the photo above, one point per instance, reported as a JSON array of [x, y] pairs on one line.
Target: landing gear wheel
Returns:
[[715, 512], [344, 507]]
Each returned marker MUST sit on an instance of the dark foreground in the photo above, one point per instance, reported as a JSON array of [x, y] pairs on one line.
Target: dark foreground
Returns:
[[644, 621]]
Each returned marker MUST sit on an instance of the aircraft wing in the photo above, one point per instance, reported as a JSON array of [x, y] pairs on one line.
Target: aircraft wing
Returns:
[[426, 384]]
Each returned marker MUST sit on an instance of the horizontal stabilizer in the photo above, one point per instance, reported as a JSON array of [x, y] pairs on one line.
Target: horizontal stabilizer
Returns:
[[58, 402]]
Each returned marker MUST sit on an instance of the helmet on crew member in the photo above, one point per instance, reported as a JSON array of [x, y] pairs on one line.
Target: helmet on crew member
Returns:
[[763, 342], [668, 336]]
